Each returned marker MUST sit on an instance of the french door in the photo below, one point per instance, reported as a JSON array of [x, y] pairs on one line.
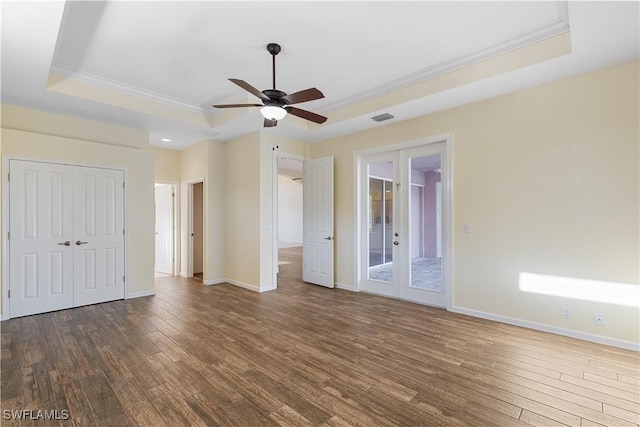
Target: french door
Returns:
[[401, 207], [66, 236]]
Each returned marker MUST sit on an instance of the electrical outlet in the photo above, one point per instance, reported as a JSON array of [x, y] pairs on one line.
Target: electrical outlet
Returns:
[[599, 319], [566, 313]]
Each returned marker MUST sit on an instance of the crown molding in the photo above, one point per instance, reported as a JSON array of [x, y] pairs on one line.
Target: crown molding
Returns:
[[534, 35], [105, 83]]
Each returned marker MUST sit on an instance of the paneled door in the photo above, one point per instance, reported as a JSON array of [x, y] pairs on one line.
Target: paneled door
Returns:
[[66, 241], [164, 194], [40, 237], [98, 235], [317, 240]]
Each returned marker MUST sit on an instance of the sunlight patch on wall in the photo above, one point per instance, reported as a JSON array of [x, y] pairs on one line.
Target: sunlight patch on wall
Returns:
[[626, 294]]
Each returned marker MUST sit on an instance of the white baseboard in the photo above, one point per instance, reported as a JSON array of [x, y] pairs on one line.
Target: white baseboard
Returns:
[[234, 282], [346, 287], [240, 284], [214, 282], [140, 294], [629, 345]]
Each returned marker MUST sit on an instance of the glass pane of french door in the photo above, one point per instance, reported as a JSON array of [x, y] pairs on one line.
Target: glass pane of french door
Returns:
[[425, 224], [380, 222]]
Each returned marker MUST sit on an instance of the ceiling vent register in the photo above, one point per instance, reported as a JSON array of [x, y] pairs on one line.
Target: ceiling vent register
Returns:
[[382, 117]]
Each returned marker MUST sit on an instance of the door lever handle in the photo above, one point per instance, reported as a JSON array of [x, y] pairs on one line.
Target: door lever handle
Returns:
[[67, 243], [78, 242], [328, 238]]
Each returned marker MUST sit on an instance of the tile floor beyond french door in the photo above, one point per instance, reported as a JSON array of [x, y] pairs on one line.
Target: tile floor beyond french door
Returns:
[[426, 273]]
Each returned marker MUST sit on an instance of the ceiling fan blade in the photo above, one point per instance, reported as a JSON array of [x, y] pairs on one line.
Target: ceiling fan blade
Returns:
[[303, 96], [252, 90], [307, 115], [268, 123], [236, 105]]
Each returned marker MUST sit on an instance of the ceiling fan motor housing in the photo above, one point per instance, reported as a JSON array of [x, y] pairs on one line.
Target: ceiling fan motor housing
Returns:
[[274, 96]]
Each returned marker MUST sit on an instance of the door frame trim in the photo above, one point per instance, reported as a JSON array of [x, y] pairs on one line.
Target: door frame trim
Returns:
[[277, 154], [6, 279], [189, 243], [447, 206]]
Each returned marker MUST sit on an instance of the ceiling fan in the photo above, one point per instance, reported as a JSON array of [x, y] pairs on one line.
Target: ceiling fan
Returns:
[[276, 103]]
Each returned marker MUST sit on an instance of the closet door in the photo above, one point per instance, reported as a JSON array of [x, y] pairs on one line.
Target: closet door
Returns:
[[41, 233], [98, 235]]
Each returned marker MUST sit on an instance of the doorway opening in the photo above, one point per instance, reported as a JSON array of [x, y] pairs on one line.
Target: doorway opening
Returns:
[[165, 229], [197, 230], [289, 218]]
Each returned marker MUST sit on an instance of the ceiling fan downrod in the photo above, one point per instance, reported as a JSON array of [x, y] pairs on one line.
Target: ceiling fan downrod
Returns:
[[273, 49]]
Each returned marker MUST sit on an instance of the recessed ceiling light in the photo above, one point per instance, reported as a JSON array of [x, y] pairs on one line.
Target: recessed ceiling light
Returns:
[[165, 139]]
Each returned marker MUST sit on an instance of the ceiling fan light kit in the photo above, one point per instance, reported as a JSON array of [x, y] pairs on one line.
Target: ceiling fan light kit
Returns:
[[276, 103], [273, 112]]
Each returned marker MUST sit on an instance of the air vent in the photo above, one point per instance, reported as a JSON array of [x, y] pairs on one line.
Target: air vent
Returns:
[[382, 117]]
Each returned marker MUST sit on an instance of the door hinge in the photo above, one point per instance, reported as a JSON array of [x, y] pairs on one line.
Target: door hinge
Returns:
[[122, 184], [122, 279], [9, 293], [123, 231], [9, 176], [173, 194]]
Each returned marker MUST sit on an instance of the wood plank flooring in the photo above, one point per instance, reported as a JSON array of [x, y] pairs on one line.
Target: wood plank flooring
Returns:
[[303, 355]]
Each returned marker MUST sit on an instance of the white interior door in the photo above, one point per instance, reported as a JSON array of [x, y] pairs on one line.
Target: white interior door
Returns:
[[99, 235], [164, 228], [41, 234], [317, 250]]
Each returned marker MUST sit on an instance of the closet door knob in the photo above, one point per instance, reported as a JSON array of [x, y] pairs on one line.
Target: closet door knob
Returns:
[[67, 243]]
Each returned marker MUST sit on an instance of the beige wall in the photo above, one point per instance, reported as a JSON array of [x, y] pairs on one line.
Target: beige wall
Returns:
[[167, 164], [216, 220], [548, 177], [137, 164], [242, 231], [20, 118]]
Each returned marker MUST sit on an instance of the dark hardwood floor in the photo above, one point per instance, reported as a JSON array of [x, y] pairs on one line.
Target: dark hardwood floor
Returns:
[[303, 355]]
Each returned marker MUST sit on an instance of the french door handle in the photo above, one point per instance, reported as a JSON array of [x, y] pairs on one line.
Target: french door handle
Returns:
[[67, 243], [328, 238], [78, 242]]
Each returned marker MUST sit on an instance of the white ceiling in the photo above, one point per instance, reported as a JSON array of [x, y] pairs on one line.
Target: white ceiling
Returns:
[[177, 57]]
